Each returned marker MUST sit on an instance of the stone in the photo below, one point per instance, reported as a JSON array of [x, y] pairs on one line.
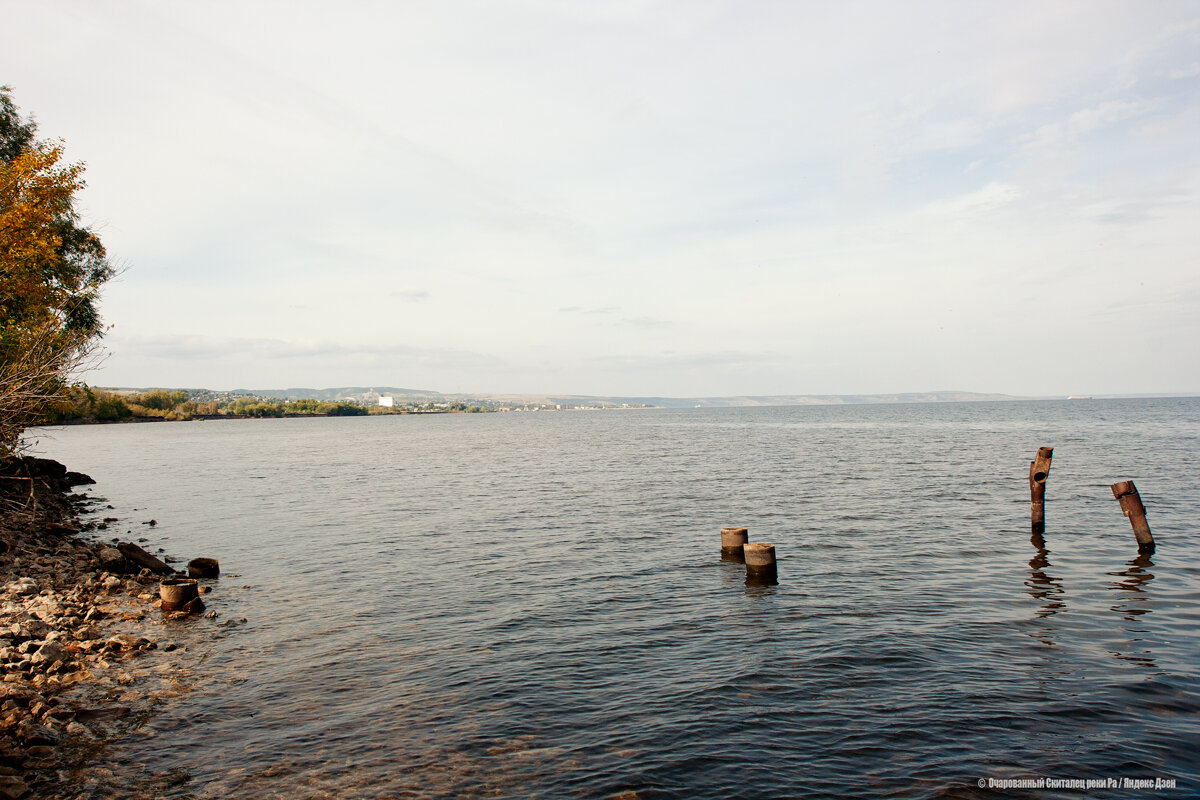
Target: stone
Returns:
[[79, 730], [12, 787], [22, 587], [17, 692], [204, 568], [124, 641], [34, 629], [33, 735], [51, 653], [112, 560], [194, 606], [79, 479], [46, 608]]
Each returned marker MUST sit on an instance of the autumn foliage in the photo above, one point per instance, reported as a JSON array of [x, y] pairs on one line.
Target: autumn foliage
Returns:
[[51, 270]]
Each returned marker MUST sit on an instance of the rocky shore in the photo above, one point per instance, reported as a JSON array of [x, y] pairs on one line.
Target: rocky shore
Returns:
[[85, 649]]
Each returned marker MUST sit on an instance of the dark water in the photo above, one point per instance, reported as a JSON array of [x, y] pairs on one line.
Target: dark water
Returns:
[[533, 605]]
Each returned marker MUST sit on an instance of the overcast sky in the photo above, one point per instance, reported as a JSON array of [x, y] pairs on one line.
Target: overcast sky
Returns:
[[671, 198]]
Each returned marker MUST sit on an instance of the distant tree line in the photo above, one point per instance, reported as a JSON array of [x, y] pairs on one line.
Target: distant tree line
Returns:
[[84, 404]]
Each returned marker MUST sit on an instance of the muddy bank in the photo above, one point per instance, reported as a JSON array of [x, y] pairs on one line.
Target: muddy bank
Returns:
[[86, 651]]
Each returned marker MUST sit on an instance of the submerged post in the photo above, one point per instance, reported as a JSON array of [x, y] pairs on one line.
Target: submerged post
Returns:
[[732, 541], [1039, 470], [760, 562], [1131, 506], [180, 594]]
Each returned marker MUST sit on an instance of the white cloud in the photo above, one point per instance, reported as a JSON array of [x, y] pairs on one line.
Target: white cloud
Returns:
[[502, 192], [1087, 121]]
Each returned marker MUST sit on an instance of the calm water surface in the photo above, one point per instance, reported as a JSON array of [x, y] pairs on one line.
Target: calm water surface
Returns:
[[533, 605]]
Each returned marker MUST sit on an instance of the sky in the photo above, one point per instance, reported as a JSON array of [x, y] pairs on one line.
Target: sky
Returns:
[[698, 198]]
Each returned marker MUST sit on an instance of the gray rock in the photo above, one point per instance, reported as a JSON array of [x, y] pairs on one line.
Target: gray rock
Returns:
[[51, 653], [46, 608], [127, 642], [22, 587]]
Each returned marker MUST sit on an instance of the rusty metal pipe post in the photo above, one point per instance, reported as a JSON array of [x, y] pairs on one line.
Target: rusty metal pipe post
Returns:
[[1039, 470], [1131, 506], [176, 593]]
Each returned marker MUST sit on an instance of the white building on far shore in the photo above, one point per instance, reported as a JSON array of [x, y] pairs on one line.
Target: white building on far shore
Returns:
[[387, 402]]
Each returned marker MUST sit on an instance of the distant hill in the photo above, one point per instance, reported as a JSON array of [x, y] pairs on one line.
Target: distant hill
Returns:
[[360, 393], [758, 400], [370, 394]]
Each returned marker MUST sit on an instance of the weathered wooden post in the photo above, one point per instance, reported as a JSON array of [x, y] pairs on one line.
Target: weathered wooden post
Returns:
[[760, 563], [1039, 470], [1131, 506], [732, 541]]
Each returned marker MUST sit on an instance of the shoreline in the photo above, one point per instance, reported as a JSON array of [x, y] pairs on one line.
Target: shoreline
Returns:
[[86, 657], [221, 417]]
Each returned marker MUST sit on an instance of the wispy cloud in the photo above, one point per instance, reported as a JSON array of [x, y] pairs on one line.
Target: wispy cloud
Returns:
[[1087, 121], [842, 176], [411, 295], [648, 322], [590, 311]]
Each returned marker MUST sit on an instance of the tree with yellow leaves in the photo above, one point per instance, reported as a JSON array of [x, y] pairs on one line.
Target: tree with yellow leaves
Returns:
[[51, 271]]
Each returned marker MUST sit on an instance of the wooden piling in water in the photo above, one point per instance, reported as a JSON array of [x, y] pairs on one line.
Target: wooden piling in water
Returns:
[[1131, 506], [1039, 470]]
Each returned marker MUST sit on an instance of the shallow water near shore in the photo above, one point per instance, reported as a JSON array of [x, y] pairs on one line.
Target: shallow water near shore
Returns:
[[534, 605]]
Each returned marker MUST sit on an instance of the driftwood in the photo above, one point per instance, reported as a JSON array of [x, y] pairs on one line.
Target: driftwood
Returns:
[[143, 559]]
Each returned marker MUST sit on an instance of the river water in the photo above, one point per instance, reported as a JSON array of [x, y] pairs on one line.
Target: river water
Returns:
[[534, 605]]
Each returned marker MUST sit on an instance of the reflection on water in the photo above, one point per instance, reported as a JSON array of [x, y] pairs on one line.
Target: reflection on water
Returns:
[[1136, 576], [1135, 601], [762, 579], [1044, 588]]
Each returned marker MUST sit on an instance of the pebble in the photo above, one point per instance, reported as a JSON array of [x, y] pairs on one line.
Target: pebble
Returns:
[[58, 594]]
